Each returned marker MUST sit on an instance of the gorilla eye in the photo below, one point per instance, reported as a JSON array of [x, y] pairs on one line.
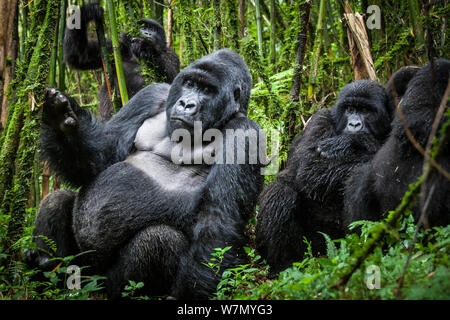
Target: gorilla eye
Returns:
[[189, 83], [207, 89], [350, 109]]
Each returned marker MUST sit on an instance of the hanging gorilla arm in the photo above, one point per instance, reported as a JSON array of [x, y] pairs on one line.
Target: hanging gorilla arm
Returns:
[[80, 52], [78, 147], [221, 220]]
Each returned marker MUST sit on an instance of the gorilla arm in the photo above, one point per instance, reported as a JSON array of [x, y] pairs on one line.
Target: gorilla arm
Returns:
[[78, 147], [80, 52], [278, 235], [359, 196], [231, 189]]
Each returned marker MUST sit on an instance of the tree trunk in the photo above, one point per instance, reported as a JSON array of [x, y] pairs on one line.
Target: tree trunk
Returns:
[[8, 52], [259, 28], [170, 24], [300, 55], [290, 115], [316, 49], [232, 18], [15, 200], [359, 46], [272, 33], [61, 29], [414, 11], [188, 46], [242, 18], [217, 25]]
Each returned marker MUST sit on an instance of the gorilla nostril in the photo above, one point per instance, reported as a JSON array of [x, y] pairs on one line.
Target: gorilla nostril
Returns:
[[190, 105]]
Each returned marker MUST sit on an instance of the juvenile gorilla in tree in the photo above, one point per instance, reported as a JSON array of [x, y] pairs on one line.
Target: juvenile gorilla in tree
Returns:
[[307, 196], [147, 217], [378, 186], [149, 49]]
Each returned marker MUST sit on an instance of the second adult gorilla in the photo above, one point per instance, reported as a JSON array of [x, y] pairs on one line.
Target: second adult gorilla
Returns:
[[307, 196]]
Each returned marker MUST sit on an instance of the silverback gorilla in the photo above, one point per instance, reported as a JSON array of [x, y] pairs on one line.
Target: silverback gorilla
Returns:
[[378, 186], [307, 196], [147, 218], [149, 49]]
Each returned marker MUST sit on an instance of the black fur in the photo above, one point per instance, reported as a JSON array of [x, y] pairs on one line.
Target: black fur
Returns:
[[84, 54], [378, 186], [139, 229], [307, 196]]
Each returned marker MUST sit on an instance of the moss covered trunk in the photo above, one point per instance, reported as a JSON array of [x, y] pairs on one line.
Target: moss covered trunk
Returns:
[[23, 129]]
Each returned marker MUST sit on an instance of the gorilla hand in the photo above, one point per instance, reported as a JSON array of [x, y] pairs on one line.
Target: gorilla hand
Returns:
[[335, 147], [58, 112]]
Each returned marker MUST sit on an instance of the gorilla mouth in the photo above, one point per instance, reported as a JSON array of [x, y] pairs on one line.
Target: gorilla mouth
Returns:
[[188, 122]]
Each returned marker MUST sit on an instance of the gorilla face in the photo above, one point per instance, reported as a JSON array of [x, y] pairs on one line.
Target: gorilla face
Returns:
[[210, 90], [152, 30], [152, 38], [361, 108]]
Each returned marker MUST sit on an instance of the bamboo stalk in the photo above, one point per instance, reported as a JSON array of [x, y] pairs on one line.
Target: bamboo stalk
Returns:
[[170, 24], [61, 28], [416, 26], [108, 73], [300, 55], [242, 18], [16, 198], [217, 24], [116, 50], [259, 28], [54, 58], [316, 50], [359, 45], [272, 32]]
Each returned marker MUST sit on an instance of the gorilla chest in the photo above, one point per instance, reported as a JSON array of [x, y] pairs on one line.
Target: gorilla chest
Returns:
[[153, 156]]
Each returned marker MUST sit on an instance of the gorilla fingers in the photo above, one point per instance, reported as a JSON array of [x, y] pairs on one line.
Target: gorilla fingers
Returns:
[[306, 197]]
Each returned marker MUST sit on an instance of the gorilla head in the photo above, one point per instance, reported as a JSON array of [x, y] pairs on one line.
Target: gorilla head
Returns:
[[151, 36], [361, 108], [399, 81], [152, 30], [211, 90]]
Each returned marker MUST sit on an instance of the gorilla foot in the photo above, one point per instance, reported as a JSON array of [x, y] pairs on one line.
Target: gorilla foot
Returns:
[[36, 259]]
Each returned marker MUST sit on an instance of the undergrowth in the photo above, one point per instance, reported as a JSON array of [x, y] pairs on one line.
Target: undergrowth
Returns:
[[427, 276]]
